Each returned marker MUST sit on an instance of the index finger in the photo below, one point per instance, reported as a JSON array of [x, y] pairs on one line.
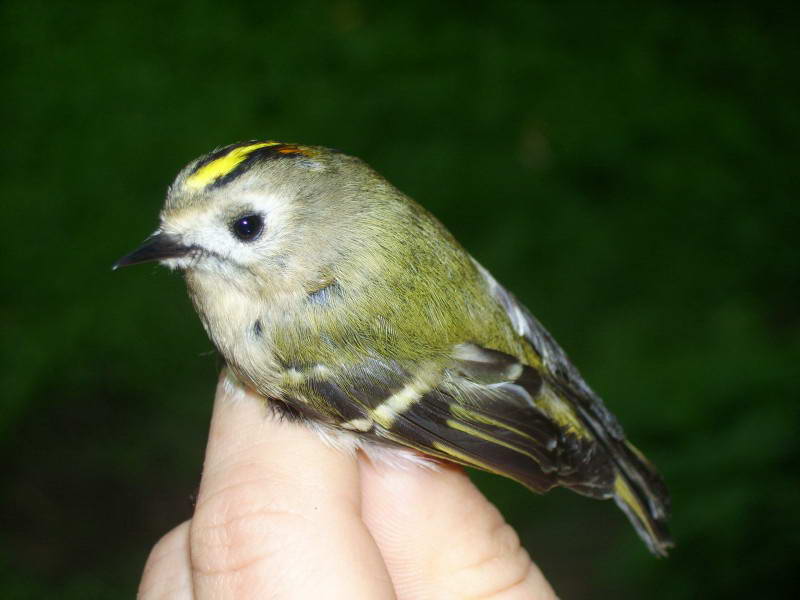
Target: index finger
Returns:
[[278, 512]]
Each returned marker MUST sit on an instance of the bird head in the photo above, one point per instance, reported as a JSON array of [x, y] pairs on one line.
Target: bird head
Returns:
[[265, 209]]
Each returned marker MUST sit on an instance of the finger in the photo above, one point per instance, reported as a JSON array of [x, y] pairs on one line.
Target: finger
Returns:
[[278, 513], [441, 538], [167, 573]]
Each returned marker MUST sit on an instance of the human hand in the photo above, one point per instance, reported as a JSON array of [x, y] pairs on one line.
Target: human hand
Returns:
[[281, 515]]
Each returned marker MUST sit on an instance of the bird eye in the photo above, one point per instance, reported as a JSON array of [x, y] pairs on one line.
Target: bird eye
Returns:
[[248, 227]]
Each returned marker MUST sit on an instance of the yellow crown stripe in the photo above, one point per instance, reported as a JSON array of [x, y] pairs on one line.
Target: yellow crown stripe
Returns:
[[223, 165]]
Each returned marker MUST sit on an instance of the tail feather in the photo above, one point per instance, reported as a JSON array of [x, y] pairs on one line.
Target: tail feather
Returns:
[[637, 488], [642, 495]]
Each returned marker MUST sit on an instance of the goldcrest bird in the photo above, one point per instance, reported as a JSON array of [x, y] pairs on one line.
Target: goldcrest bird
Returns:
[[352, 308]]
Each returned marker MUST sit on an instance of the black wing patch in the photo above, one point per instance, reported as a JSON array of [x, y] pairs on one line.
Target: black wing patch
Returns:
[[485, 414], [350, 397]]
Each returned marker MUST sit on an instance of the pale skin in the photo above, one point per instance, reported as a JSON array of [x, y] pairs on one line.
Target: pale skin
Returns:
[[281, 515]]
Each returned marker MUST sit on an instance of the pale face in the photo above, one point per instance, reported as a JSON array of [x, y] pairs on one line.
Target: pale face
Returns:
[[235, 212], [247, 229]]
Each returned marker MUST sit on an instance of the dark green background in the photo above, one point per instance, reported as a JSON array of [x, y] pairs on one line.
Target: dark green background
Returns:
[[628, 170]]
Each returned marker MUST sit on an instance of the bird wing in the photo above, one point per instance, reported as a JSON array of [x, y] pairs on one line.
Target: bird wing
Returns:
[[479, 407]]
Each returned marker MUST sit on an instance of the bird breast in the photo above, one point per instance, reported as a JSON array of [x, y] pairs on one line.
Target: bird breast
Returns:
[[240, 326]]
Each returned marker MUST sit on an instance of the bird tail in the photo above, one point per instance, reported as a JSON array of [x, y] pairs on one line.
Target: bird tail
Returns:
[[630, 479], [642, 495]]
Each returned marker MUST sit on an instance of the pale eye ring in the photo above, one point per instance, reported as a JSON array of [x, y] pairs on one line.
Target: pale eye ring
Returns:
[[248, 227]]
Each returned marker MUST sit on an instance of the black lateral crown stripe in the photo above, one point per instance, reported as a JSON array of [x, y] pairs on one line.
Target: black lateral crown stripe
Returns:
[[256, 156], [219, 153], [266, 153]]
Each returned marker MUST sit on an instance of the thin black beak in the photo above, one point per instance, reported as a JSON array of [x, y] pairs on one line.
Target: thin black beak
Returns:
[[157, 247]]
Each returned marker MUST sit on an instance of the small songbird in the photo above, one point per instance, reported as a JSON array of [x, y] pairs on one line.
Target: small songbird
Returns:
[[349, 306]]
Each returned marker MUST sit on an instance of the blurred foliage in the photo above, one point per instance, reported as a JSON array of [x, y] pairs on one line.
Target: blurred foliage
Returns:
[[629, 170]]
